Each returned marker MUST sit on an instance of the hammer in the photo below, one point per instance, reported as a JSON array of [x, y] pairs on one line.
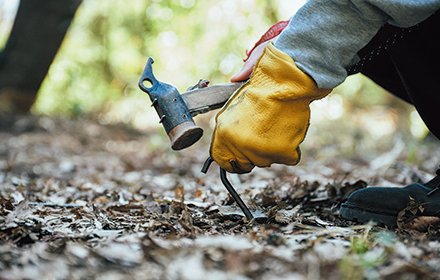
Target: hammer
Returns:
[[176, 110]]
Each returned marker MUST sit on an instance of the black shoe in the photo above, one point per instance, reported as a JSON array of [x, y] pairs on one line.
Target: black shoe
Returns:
[[388, 206]]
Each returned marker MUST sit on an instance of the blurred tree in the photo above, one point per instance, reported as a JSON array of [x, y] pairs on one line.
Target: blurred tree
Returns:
[[109, 42], [38, 31]]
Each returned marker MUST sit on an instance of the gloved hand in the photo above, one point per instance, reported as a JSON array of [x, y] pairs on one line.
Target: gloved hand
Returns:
[[267, 118]]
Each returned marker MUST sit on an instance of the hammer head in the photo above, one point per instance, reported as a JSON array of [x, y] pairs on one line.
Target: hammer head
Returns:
[[172, 110]]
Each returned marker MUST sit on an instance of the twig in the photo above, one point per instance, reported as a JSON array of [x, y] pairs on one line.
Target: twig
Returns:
[[51, 204]]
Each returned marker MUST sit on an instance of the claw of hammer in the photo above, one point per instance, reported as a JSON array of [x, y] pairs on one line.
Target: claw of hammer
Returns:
[[230, 188]]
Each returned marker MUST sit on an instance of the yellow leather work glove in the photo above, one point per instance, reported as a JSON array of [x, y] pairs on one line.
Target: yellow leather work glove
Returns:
[[267, 118]]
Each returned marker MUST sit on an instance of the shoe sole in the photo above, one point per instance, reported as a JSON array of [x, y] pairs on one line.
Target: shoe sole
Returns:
[[362, 216]]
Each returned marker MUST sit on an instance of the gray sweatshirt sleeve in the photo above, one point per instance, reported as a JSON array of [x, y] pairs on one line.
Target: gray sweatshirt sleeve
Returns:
[[324, 36]]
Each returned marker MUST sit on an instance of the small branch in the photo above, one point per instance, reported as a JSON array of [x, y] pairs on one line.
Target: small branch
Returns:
[[51, 204]]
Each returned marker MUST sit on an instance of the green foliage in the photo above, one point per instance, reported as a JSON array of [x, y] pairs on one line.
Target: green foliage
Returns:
[[367, 252], [359, 245], [109, 43]]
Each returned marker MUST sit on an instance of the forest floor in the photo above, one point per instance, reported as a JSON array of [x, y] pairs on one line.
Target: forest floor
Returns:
[[84, 200]]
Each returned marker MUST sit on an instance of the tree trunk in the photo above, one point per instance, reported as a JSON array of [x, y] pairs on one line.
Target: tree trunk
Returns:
[[39, 29]]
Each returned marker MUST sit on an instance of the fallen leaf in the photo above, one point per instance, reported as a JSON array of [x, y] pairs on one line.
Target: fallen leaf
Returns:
[[421, 223]]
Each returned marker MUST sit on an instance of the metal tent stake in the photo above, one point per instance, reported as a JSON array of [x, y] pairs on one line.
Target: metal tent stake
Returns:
[[230, 188]]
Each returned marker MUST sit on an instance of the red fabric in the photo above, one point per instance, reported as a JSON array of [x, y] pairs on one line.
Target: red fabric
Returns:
[[273, 31]]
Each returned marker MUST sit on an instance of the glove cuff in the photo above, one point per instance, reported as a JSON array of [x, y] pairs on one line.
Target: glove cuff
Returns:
[[277, 70], [273, 31]]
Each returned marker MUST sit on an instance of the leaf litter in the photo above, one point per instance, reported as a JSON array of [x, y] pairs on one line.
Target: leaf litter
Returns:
[[80, 200]]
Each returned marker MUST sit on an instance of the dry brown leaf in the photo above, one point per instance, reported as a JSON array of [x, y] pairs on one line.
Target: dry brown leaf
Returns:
[[179, 193], [413, 207], [198, 193], [421, 223]]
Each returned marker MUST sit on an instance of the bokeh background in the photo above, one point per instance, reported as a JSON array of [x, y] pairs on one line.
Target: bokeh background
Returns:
[[96, 71]]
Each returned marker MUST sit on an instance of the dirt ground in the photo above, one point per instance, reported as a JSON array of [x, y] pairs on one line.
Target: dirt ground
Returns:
[[83, 200]]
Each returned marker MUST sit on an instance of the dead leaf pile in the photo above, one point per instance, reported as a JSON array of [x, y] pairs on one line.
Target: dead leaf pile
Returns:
[[80, 200]]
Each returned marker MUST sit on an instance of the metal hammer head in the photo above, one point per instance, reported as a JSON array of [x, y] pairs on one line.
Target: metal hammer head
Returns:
[[172, 110]]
